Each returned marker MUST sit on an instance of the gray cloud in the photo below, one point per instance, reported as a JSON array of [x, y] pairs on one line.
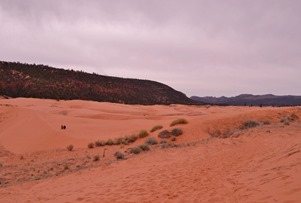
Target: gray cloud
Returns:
[[198, 47]]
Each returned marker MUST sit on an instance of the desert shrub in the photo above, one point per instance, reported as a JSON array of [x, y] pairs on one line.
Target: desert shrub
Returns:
[[215, 133], [120, 140], [151, 141], [144, 147], [70, 147], [174, 139], [249, 124], [66, 167], [176, 132], [293, 117], [179, 121], [133, 138], [99, 143], [96, 158], [109, 142], [164, 134], [163, 142], [155, 128], [136, 150], [165, 145], [91, 145], [143, 134], [119, 155], [285, 121], [266, 122]]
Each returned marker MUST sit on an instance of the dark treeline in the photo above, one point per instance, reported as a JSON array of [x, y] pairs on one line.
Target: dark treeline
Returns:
[[40, 81]]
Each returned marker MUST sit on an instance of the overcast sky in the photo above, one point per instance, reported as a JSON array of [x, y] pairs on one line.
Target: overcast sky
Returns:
[[199, 47]]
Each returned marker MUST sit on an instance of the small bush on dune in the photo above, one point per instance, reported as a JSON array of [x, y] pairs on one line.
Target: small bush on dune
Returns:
[[249, 124], [144, 147], [266, 122], [91, 145], [179, 122], [70, 147], [155, 128], [133, 138], [164, 134], [151, 141], [173, 139], [110, 142], [136, 150], [96, 158], [119, 155], [119, 140], [176, 132], [143, 134], [99, 143]]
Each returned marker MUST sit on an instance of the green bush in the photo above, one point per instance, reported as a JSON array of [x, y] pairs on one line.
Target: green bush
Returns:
[[176, 132], [178, 122], [155, 128], [143, 134], [164, 134]]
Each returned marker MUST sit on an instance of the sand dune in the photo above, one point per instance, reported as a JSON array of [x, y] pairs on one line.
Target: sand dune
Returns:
[[260, 164]]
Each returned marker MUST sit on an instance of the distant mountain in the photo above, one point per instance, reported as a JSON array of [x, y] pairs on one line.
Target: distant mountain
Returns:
[[40, 81], [249, 99]]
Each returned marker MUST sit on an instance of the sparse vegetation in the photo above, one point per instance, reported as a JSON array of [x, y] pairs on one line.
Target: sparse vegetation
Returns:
[[132, 138], [174, 139], [66, 167], [119, 155], [99, 143], [136, 150], [110, 142], [91, 145], [144, 147], [164, 134], [266, 122], [249, 124], [96, 158], [151, 141], [70, 147], [180, 121], [177, 132], [143, 134], [155, 128]]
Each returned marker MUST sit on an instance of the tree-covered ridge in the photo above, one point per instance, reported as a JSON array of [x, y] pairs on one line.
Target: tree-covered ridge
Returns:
[[40, 81]]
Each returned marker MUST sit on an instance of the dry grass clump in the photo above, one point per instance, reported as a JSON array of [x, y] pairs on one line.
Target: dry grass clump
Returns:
[[291, 118], [96, 158], [176, 132], [110, 142], [135, 150], [99, 143], [180, 121], [151, 141], [266, 122], [249, 124], [174, 139], [144, 147], [143, 134], [119, 155], [70, 147], [91, 145], [155, 128], [164, 134]]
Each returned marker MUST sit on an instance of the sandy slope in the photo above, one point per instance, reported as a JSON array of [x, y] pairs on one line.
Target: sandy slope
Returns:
[[260, 164]]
